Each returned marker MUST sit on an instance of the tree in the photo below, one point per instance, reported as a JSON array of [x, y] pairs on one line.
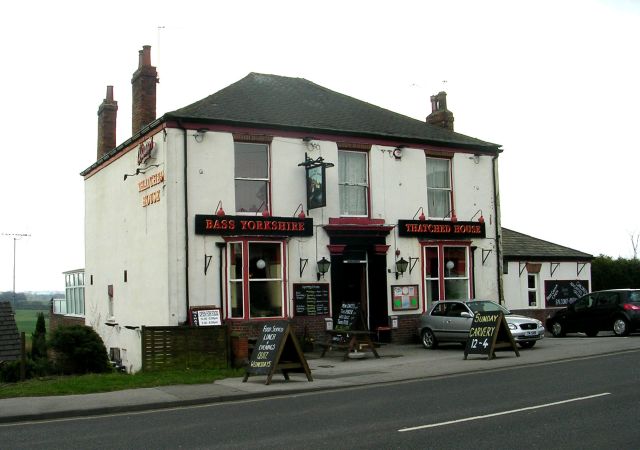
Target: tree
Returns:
[[607, 273], [79, 349], [39, 339]]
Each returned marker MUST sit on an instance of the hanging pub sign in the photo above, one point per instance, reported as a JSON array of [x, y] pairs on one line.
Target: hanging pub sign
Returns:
[[316, 191], [439, 229], [316, 181], [253, 226]]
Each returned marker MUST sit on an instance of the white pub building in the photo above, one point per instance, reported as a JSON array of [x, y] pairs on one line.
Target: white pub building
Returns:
[[276, 198]]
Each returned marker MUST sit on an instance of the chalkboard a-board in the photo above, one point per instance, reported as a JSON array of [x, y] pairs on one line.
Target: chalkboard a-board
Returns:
[[277, 349], [489, 331], [348, 316], [311, 299]]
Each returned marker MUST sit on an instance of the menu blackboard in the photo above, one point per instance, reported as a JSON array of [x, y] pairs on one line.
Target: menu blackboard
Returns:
[[311, 299], [277, 349], [347, 317], [264, 353], [489, 330], [564, 292]]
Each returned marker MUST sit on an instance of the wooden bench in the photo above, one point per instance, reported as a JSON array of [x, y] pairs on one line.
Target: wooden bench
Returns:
[[349, 341]]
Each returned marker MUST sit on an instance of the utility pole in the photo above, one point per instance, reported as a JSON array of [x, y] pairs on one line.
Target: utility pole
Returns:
[[16, 237]]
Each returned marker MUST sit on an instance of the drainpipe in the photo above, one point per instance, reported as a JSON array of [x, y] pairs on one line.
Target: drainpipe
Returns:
[[186, 219], [496, 202]]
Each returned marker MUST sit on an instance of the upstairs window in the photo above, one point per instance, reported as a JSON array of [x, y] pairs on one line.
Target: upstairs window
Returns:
[[439, 192], [353, 183], [251, 177]]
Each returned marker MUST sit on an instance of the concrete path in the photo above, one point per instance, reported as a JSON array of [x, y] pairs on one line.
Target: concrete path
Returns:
[[397, 363]]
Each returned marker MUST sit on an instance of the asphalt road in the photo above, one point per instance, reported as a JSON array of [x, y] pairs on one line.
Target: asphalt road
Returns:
[[580, 404]]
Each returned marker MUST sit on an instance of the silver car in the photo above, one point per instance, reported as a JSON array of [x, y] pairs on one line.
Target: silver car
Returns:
[[450, 320]]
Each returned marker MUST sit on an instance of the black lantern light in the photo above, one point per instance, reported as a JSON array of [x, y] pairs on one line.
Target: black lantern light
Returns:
[[401, 267], [323, 267]]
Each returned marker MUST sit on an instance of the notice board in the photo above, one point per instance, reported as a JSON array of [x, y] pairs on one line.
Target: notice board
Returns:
[[277, 349], [489, 331], [404, 297], [564, 292], [205, 316], [311, 299]]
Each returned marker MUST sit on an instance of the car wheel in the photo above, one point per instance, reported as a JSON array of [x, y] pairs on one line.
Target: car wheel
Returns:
[[591, 333], [557, 330], [620, 327], [428, 339], [527, 344]]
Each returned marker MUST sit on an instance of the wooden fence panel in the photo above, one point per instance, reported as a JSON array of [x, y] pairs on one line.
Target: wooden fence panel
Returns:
[[170, 348]]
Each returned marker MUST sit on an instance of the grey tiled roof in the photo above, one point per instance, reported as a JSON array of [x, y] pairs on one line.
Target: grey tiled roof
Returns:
[[273, 101], [519, 247], [9, 336]]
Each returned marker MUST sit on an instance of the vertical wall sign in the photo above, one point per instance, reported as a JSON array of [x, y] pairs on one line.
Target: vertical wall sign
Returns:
[[316, 181]]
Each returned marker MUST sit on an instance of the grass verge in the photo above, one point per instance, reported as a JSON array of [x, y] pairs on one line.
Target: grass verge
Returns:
[[93, 383]]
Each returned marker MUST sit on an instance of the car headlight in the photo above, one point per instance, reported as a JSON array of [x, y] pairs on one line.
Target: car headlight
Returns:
[[512, 326]]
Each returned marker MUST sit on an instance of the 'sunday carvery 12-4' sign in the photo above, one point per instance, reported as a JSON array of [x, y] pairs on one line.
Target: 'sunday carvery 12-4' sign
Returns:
[[257, 226], [438, 229]]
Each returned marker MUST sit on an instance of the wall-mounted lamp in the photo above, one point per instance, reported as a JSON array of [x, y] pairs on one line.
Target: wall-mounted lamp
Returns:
[[401, 267], [308, 140], [476, 158], [454, 218], [303, 265], [140, 170], [422, 217], [481, 218], [301, 209], [323, 267], [397, 152], [199, 134], [219, 210]]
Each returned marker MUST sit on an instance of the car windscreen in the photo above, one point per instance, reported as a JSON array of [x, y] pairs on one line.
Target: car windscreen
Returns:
[[487, 306]]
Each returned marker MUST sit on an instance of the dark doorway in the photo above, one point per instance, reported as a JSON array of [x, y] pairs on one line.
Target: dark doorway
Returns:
[[361, 280]]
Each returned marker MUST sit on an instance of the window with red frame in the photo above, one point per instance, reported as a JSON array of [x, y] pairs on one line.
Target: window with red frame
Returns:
[[446, 272], [255, 279]]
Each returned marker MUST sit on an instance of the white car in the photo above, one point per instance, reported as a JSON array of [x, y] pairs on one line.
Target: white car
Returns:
[[450, 320]]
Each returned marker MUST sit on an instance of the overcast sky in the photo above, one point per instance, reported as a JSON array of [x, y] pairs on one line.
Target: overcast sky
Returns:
[[556, 83]]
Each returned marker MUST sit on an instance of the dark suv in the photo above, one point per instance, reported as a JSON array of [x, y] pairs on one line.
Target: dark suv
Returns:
[[617, 310]]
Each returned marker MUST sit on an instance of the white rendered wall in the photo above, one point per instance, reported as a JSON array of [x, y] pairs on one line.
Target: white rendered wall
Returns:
[[515, 285]]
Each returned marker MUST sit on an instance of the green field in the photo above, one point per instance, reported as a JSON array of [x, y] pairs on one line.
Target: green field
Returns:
[[26, 320]]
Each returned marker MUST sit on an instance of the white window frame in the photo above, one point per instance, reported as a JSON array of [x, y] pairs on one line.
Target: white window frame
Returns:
[[267, 202], [532, 290], [431, 213], [342, 184]]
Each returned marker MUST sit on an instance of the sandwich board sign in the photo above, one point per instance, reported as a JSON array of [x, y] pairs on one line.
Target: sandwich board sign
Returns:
[[277, 349], [489, 331]]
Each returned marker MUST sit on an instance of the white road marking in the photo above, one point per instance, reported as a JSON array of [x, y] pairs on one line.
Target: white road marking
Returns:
[[513, 411]]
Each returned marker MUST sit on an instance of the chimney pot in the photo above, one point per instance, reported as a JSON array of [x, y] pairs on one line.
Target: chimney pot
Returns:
[[143, 85], [107, 115], [440, 115]]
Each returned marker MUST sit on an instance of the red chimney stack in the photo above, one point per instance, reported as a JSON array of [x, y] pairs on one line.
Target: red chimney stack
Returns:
[[107, 113], [440, 115], [144, 91]]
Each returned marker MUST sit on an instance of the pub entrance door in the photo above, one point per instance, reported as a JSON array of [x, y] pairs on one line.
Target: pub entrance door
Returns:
[[359, 277]]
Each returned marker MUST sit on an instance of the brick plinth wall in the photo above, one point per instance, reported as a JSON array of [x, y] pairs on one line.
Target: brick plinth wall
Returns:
[[540, 314]]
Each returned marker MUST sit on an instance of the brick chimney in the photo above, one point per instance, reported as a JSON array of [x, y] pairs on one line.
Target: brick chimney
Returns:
[[440, 115], [107, 113], [144, 91]]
